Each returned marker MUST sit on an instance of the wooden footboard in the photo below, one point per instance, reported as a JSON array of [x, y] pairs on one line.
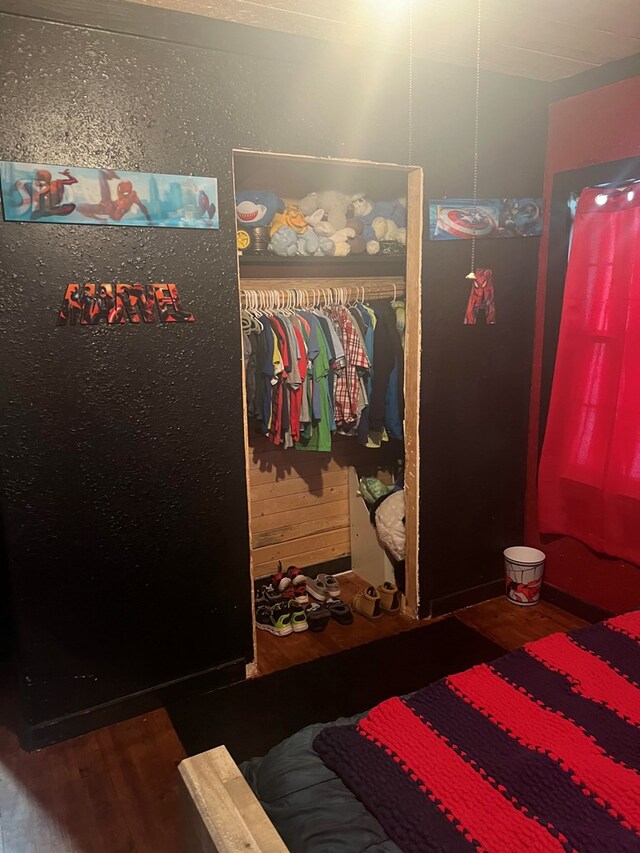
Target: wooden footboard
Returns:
[[221, 812]]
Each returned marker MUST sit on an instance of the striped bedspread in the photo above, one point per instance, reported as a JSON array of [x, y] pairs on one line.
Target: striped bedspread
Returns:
[[537, 751]]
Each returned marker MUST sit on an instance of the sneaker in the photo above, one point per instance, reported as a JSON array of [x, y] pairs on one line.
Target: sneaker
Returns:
[[323, 587], [267, 596], [331, 584], [283, 584], [339, 611], [276, 620], [298, 617], [317, 617], [299, 585]]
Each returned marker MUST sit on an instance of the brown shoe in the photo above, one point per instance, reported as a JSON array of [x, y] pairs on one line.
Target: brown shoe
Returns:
[[367, 603], [389, 597]]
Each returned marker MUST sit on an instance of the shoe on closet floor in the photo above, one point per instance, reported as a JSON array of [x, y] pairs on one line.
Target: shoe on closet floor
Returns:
[[323, 587], [318, 617], [332, 585], [389, 597], [367, 603], [339, 611], [267, 596], [299, 585], [283, 584], [276, 620], [299, 621]]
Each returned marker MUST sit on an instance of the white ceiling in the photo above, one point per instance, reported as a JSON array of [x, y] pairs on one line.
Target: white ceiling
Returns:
[[541, 39]]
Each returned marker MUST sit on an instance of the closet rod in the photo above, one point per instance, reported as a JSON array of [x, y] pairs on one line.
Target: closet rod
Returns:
[[336, 293], [380, 286]]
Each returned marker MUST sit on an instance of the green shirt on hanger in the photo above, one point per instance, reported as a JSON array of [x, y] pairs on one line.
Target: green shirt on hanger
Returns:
[[321, 431]]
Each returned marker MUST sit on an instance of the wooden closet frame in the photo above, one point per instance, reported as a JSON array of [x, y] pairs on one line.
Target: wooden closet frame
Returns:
[[412, 349]]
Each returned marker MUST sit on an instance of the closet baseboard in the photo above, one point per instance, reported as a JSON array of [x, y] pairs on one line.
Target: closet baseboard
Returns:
[[576, 606], [331, 567], [467, 597], [37, 736]]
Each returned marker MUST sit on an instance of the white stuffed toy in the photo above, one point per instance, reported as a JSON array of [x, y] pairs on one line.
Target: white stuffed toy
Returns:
[[325, 231], [340, 240], [334, 204]]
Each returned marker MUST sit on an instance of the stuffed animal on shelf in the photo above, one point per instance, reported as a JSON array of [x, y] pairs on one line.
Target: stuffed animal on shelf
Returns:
[[291, 217], [257, 207], [284, 242], [310, 244], [332, 202], [357, 243], [339, 239], [320, 224], [382, 220]]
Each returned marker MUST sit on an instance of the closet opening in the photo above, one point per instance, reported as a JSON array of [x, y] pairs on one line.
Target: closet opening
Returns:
[[329, 260]]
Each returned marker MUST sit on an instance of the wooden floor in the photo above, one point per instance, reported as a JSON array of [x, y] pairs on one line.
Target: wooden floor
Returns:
[[506, 624], [511, 626], [115, 790], [275, 653], [111, 791]]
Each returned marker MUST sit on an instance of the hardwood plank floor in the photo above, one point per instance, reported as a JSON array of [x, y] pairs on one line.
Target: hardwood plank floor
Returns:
[[506, 624], [274, 653], [111, 791], [115, 790], [511, 626]]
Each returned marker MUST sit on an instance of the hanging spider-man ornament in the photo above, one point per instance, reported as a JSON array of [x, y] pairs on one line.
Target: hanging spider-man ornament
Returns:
[[481, 298]]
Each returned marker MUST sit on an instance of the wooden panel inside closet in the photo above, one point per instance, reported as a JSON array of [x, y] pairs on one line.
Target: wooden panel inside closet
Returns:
[[298, 502]]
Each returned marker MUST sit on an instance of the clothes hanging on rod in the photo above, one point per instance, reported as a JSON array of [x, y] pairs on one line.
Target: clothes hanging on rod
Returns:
[[317, 364]]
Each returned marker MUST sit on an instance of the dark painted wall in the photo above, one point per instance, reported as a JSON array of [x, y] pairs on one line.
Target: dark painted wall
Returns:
[[123, 503], [122, 448], [475, 378], [123, 490]]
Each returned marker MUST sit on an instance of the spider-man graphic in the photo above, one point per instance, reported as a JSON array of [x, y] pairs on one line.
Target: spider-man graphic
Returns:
[[113, 208], [524, 592], [44, 195], [206, 207], [481, 298]]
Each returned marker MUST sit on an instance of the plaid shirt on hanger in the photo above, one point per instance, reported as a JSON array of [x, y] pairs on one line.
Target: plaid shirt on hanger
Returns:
[[346, 391]]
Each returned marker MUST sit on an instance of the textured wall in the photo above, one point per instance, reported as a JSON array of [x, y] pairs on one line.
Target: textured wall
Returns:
[[123, 489], [476, 378]]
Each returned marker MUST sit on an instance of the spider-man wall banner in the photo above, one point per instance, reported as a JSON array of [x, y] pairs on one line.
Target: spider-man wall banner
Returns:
[[461, 219], [115, 304], [40, 192]]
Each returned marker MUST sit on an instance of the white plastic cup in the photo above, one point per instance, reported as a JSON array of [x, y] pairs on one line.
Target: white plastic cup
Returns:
[[524, 568]]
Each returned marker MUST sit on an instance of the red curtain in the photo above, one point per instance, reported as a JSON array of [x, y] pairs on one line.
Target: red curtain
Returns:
[[589, 477]]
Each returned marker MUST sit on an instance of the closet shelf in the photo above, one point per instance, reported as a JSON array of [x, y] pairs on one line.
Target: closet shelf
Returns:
[[268, 266]]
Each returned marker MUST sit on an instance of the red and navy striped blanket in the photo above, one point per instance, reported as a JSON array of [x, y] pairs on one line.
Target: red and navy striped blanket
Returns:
[[537, 751]]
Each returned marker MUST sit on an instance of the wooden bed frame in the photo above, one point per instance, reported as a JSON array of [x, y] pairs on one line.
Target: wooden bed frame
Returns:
[[221, 812]]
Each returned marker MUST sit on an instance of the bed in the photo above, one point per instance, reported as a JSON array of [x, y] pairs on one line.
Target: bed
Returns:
[[539, 750]]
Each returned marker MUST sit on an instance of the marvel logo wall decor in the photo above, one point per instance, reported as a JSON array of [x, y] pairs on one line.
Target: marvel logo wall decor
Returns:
[[40, 192], [115, 304]]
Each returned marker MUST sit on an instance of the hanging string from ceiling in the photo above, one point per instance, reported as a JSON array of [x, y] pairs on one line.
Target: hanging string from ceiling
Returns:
[[476, 140]]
